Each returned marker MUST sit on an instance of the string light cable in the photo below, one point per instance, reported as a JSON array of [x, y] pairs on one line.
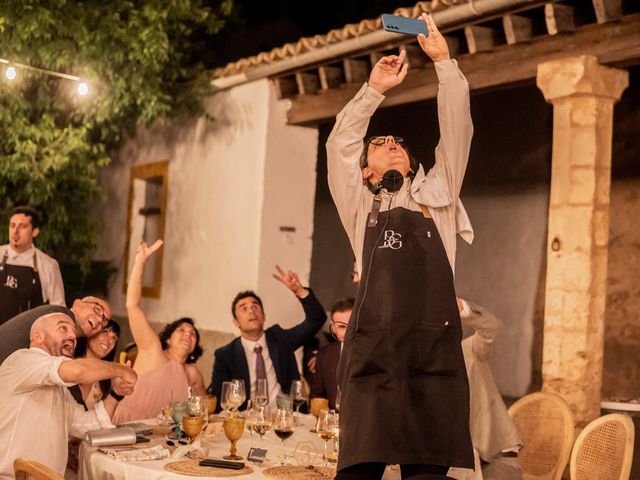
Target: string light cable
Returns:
[[10, 73]]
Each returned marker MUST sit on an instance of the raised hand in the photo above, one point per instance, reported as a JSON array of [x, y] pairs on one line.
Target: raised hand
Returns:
[[435, 45], [290, 280], [145, 251], [388, 72]]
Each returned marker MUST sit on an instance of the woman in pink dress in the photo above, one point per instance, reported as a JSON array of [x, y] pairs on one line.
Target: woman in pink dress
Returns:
[[164, 363]]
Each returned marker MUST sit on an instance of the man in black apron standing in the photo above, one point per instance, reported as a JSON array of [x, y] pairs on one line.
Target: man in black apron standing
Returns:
[[405, 394], [28, 277]]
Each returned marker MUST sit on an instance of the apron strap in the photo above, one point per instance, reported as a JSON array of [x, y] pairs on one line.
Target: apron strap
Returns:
[[375, 210], [425, 211]]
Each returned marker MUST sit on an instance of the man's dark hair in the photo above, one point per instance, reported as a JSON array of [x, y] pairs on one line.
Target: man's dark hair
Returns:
[[29, 212], [343, 305], [166, 333], [241, 296]]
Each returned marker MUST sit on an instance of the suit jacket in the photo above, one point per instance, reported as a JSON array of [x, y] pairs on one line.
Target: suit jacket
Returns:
[[324, 383], [230, 361]]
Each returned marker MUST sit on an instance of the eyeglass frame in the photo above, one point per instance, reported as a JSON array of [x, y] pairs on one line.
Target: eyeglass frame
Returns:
[[383, 140], [105, 319]]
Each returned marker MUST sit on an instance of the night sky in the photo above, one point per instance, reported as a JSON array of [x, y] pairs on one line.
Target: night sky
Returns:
[[258, 26]]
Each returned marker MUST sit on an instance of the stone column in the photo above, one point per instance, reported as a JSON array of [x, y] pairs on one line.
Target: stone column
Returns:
[[583, 94]]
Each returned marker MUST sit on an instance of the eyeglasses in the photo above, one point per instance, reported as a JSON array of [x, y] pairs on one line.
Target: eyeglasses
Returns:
[[376, 141], [99, 310]]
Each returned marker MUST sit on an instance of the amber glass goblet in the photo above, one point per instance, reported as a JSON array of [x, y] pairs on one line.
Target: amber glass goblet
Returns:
[[233, 429], [192, 426]]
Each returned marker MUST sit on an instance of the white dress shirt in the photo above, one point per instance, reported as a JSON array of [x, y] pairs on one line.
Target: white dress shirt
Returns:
[[48, 270], [272, 380], [38, 412]]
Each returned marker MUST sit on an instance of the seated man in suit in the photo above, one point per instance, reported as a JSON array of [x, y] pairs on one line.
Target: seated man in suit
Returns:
[[265, 354], [323, 381], [495, 439]]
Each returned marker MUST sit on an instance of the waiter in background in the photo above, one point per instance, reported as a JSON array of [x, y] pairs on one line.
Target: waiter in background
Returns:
[[28, 277]]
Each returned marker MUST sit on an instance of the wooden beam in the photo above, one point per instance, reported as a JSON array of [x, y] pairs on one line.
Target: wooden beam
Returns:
[[286, 87], [517, 28], [374, 57], [455, 45], [559, 18], [330, 76], [415, 56], [616, 44], [480, 38], [355, 71], [308, 82], [608, 10]]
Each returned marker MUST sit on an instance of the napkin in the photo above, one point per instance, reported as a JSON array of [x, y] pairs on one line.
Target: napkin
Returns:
[[138, 454], [111, 436]]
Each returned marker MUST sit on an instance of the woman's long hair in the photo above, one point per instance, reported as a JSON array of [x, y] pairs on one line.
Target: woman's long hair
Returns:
[[166, 333]]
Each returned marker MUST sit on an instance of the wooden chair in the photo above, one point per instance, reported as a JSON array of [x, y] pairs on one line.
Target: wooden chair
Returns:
[[25, 469], [604, 449], [546, 426]]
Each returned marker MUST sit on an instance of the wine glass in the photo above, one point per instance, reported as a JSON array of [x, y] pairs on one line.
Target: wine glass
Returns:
[[192, 426], [237, 394], [262, 423], [327, 428], [283, 426], [197, 405], [316, 405], [262, 394], [297, 395], [250, 416], [212, 403], [224, 396], [233, 429]]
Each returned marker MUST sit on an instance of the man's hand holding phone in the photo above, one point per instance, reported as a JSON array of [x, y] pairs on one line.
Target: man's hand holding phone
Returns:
[[434, 45]]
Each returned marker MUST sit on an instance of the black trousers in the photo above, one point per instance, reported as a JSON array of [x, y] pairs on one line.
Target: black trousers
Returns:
[[373, 471]]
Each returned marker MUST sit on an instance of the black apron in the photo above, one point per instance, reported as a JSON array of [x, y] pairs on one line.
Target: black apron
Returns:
[[404, 388], [20, 288]]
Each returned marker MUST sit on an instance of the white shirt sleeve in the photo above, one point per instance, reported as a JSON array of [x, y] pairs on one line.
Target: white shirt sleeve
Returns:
[[81, 420], [32, 369]]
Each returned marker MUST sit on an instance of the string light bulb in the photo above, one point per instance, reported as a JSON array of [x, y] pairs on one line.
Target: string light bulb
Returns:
[[83, 88], [10, 73]]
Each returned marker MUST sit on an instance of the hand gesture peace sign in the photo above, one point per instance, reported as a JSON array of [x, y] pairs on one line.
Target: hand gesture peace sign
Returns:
[[291, 281]]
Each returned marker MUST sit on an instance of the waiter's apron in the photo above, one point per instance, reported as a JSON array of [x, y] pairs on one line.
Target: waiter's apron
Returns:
[[20, 289], [404, 388]]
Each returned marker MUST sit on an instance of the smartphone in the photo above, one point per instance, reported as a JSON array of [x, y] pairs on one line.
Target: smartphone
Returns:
[[409, 26]]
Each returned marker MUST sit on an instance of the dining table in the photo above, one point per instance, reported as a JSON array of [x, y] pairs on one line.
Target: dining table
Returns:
[[304, 451]]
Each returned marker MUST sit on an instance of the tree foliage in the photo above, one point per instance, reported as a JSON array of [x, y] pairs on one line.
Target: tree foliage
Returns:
[[138, 60]]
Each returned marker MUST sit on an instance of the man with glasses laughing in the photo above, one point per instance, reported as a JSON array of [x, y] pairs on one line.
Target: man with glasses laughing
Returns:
[[90, 314], [403, 384]]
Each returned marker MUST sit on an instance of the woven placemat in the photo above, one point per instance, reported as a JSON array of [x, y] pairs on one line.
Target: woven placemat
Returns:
[[191, 467], [295, 472]]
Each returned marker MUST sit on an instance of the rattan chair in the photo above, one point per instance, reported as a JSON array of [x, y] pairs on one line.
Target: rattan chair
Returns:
[[546, 426], [604, 449], [25, 469]]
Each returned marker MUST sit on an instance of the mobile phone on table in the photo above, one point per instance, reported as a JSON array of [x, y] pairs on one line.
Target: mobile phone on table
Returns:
[[408, 26]]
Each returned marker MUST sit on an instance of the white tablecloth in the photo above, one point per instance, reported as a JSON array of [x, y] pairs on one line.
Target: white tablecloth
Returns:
[[94, 465]]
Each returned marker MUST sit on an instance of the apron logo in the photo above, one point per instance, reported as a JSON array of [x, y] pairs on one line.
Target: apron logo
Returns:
[[12, 282], [392, 240]]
